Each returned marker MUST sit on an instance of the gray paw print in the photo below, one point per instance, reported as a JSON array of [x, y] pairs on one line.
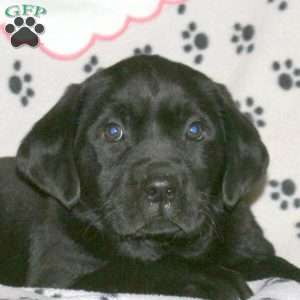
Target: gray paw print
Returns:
[[288, 76], [195, 41], [19, 84], [282, 5], [252, 112], [93, 62], [243, 38], [146, 50], [284, 193]]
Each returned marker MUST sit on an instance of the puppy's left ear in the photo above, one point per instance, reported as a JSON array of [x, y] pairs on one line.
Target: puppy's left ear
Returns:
[[45, 156], [246, 155]]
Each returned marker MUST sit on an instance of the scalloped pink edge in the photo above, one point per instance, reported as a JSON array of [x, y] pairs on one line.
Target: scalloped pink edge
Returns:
[[95, 37]]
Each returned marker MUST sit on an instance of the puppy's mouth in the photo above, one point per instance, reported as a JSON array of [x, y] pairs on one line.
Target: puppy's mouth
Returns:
[[161, 236], [161, 230]]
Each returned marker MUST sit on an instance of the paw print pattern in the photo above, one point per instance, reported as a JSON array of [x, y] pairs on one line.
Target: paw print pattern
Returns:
[[298, 229], [243, 38], [284, 192], [282, 5], [57, 295], [39, 291], [288, 75], [48, 293], [93, 62], [25, 33], [253, 113], [198, 41], [17, 84], [146, 50]]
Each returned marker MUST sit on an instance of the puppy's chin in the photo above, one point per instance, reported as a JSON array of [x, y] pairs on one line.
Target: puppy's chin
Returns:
[[152, 248], [141, 249]]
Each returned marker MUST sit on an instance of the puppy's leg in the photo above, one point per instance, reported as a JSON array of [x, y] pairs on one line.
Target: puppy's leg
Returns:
[[217, 282], [56, 260], [248, 252], [263, 267], [167, 278]]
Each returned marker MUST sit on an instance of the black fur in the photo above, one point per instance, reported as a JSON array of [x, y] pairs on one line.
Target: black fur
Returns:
[[156, 211]]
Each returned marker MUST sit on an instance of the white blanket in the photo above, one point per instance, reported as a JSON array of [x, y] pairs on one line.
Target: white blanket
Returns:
[[270, 289]]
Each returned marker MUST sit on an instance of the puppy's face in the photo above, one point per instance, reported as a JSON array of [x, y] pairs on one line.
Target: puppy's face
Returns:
[[157, 151], [150, 153]]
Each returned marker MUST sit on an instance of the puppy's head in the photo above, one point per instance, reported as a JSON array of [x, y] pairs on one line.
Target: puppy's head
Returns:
[[151, 151]]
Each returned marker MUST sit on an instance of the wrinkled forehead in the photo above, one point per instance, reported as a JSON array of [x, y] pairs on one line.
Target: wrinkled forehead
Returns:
[[149, 88], [141, 96]]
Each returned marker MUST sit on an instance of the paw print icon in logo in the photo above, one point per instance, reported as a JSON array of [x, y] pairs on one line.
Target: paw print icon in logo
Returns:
[[24, 32]]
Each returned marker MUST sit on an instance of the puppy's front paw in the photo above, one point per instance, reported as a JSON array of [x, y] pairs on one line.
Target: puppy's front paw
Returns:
[[216, 284]]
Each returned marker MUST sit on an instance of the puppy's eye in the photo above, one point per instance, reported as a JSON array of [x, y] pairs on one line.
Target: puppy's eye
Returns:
[[195, 131], [113, 132]]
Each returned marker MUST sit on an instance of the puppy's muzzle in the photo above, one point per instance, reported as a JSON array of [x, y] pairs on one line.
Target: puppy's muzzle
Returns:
[[160, 194], [160, 190]]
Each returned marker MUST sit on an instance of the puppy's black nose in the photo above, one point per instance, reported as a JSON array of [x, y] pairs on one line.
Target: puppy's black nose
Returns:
[[161, 189]]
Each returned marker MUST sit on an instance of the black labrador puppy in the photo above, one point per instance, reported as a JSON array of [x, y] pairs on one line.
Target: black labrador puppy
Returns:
[[134, 182]]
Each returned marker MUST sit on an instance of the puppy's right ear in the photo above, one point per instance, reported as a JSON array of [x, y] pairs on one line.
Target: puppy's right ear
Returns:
[[246, 155], [45, 156]]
